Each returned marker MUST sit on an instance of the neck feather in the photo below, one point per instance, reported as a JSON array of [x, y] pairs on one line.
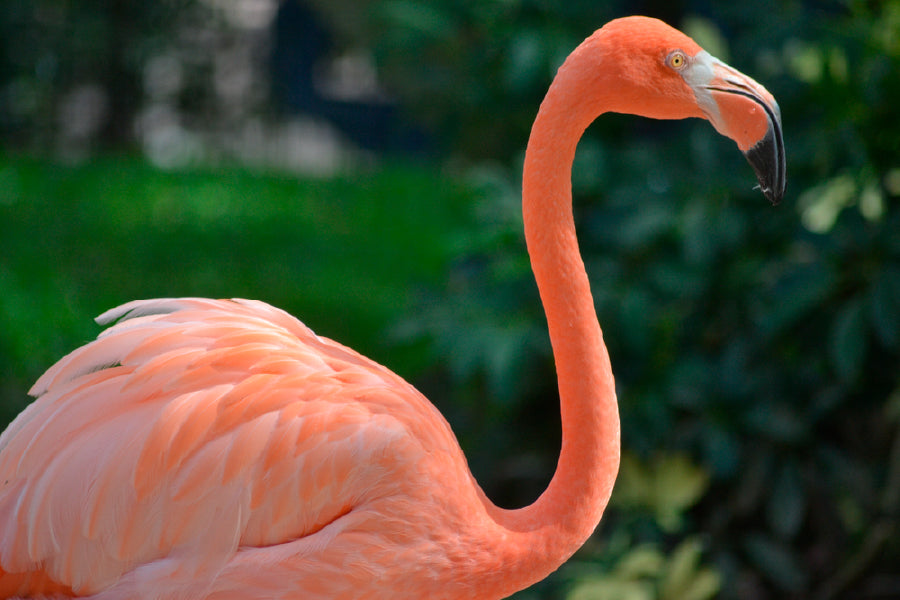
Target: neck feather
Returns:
[[542, 536]]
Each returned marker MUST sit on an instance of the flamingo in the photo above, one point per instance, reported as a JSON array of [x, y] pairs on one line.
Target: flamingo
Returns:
[[219, 449]]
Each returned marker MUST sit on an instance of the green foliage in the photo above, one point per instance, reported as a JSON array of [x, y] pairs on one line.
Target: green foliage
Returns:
[[658, 495], [78, 240], [645, 573], [667, 487], [484, 59]]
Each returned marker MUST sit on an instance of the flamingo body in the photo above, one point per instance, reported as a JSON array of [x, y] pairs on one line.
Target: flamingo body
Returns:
[[212, 449], [191, 473]]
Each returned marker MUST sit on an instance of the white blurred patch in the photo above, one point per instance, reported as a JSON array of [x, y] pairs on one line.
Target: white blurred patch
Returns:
[[81, 115]]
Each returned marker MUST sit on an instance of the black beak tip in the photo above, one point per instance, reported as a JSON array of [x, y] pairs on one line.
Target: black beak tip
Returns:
[[767, 160], [771, 195]]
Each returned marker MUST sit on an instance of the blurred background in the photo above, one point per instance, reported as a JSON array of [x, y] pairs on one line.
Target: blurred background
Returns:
[[358, 164]]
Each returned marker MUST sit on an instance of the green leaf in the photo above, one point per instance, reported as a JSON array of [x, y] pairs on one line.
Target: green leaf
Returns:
[[608, 588], [705, 585], [884, 307], [684, 580], [430, 20], [848, 341], [634, 483], [524, 65], [795, 296], [643, 561], [721, 450], [668, 486], [635, 306], [679, 484], [787, 502], [776, 562], [640, 228], [682, 565]]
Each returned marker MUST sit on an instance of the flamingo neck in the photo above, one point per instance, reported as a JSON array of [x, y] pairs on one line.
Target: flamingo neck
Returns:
[[550, 530]]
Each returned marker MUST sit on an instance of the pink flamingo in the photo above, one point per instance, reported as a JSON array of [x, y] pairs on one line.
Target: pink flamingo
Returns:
[[221, 450]]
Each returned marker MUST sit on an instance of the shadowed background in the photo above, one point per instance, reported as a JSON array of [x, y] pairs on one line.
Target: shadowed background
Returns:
[[357, 164]]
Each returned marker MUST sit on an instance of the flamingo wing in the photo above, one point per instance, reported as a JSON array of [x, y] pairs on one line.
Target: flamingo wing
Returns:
[[193, 428]]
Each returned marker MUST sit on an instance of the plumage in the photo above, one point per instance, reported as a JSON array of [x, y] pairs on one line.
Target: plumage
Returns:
[[220, 449]]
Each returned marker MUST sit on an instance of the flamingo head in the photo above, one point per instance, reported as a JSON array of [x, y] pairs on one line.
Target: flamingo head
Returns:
[[662, 73], [740, 108]]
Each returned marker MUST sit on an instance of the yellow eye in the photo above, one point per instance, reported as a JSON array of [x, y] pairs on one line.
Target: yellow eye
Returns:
[[677, 60]]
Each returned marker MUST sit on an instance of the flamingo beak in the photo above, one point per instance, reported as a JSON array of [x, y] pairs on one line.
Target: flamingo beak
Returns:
[[767, 159], [745, 111]]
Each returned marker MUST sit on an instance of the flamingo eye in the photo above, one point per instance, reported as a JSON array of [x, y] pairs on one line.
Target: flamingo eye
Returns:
[[677, 60]]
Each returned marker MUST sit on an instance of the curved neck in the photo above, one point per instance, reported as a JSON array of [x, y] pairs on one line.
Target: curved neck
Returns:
[[559, 522]]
